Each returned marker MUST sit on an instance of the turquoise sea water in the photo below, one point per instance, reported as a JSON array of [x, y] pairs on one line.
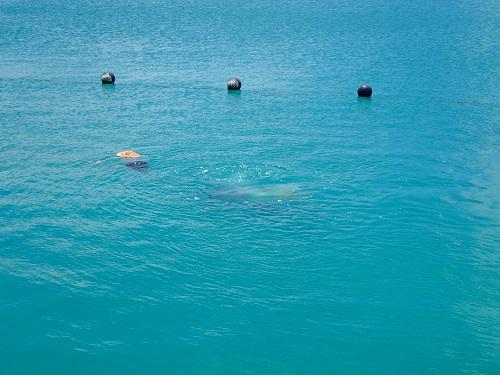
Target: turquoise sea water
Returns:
[[291, 228]]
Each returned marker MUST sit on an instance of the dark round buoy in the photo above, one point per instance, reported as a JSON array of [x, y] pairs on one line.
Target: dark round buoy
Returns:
[[233, 84], [107, 78], [364, 91], [137, 164]]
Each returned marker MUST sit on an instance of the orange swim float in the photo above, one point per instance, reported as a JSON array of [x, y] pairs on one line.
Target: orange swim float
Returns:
[[127, 154]]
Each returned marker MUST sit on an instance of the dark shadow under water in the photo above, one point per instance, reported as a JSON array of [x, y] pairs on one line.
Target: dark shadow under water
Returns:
[[138, 165]]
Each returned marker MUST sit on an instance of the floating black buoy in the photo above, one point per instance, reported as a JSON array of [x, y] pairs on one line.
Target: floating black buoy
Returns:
[[138, 164], [364, 91], [107, 78], [233, 84]]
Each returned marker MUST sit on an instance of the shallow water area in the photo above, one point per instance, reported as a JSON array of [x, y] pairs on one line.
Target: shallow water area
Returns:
[[287, 228]]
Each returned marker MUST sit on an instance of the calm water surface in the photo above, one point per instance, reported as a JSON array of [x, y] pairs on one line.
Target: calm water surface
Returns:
[[290, 228]]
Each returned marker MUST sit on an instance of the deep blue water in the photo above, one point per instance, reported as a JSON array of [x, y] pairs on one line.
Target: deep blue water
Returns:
[[290, 228]]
